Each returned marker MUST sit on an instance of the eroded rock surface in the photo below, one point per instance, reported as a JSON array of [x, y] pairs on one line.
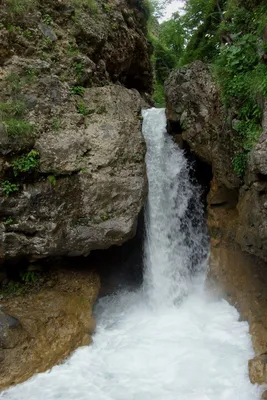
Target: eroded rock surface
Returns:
[[90, 185], [194, 112], [237, 210], [70, 73], [252, 206], [38, 330]]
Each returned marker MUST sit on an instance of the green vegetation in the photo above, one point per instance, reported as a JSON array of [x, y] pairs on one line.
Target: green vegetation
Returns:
[[56, 124], [20, 6], [47, 19], [12, 111], [105, 217], [52, 180], [82, 109], [29, 277], [16, 127], [26, 163], [9, 187], [15, 108], [78, 68], [229, 35], [9, 221], [89, 4], [78, 90]]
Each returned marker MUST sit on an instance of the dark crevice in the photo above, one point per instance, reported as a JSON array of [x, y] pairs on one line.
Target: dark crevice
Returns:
[[219, 205], [174, 127]]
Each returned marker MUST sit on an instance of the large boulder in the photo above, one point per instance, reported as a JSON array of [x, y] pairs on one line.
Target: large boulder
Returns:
[[90, 185]]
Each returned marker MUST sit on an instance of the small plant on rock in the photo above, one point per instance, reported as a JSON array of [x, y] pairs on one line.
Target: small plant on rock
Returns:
[[56, 124], [47, 19], [26, 163], [52, 180], [79, 68], [9, 187], [16, 127], [78, 90], [82, 109], [9, 221]]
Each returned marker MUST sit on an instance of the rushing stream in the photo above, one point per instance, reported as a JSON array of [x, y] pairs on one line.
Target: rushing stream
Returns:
[[167, 340]]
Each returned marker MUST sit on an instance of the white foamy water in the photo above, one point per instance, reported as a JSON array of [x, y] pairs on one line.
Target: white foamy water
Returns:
[[167, 340]]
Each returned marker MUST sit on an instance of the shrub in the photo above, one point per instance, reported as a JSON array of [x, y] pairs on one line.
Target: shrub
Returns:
[[26, 163]]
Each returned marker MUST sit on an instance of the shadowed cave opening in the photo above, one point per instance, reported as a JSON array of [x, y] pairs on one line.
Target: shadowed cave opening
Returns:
[[118, 266]]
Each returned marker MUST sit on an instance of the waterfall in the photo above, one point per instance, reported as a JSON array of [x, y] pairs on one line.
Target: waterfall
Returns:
[[176, 239], [167, 340]]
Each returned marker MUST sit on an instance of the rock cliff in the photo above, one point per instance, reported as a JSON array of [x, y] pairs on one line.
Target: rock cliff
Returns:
[[237, 209], [73, 78], [71, 150]]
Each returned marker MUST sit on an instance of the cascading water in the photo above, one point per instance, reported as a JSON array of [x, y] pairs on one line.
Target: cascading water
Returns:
[[167, 340], [176, 241]]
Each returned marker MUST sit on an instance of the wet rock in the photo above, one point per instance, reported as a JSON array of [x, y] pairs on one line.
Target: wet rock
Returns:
[[258, 369], [53, 323]]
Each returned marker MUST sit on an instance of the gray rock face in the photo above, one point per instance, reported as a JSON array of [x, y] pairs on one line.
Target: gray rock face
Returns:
[[91, 181], [252, 207], [237, 213], [193, 106]]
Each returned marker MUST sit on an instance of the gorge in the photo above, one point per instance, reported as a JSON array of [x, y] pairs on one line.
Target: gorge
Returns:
[[167, 338], [139, 231]]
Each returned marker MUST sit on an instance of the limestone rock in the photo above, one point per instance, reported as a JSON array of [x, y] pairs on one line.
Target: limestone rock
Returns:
[[258, 369], [237, 210], [193, 107], [98, 181], [53, 323], [252, 206]]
